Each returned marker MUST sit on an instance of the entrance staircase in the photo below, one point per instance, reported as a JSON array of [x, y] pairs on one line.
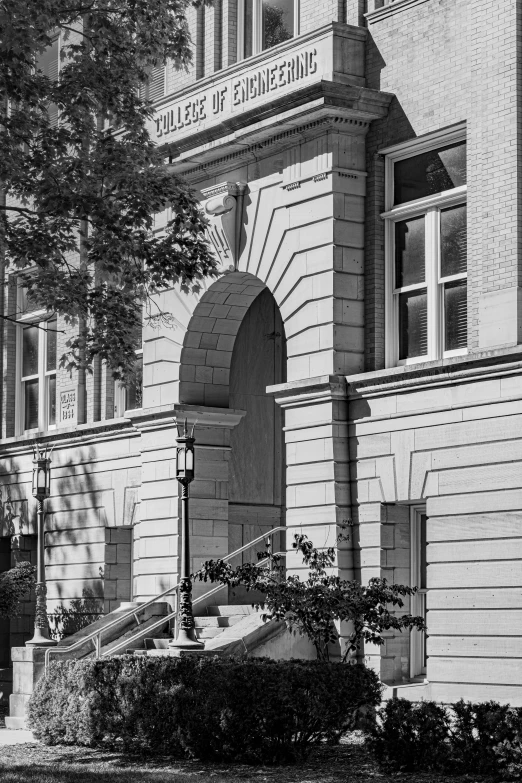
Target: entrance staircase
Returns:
[[147, 628]]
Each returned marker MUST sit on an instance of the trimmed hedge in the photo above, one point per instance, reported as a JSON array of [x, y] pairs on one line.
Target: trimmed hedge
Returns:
[[484, 738], [225, 709]]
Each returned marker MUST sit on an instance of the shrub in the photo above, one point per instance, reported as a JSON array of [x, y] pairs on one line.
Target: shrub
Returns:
[[410, 736], [487, 738], [312, 606], [481, 738], [14, 584], [210, 708]]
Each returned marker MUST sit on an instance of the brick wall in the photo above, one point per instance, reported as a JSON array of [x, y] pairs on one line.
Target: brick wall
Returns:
[[447, 62]]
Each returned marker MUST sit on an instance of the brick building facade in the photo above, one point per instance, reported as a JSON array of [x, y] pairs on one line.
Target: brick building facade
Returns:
[[356, 362]]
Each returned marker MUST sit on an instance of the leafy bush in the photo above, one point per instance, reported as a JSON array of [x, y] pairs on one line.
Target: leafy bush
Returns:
[[14, 584], [484, 738], [313, 605], [487, 738], [224, 709], [410, 736]]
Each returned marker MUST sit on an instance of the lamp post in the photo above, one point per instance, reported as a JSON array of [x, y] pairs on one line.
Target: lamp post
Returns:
[[41, 490], [185, 463]]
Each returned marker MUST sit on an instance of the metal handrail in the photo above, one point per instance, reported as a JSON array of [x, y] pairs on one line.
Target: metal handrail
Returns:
[[167, 618], [95, 636]]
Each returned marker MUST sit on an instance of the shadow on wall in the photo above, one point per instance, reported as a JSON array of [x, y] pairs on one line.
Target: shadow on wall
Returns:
[[88, 555]]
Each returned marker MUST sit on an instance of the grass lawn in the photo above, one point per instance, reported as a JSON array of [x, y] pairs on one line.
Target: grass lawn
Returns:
[[346, 763]]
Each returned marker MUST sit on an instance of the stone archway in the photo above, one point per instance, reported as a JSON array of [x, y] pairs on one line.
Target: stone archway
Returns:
[[209, 341], [234, 349]]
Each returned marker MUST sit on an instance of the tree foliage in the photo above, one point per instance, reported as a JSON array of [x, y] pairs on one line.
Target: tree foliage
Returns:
[[14, 584], [312, 606], [82, 177]]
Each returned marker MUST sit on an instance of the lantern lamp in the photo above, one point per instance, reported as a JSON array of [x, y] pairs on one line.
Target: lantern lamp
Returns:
[[41, 474], [185, 462]]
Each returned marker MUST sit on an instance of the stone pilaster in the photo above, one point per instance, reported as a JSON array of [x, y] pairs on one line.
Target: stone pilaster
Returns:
[[317, 467], [157, 536]]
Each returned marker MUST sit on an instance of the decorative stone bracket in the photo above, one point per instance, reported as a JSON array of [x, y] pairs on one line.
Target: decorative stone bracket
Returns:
[[223, 206]]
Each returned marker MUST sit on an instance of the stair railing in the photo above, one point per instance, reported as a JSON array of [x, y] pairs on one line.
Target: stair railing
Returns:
[[96, 636]]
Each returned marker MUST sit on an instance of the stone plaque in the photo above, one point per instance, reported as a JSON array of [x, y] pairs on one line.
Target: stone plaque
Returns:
[[68, 407]]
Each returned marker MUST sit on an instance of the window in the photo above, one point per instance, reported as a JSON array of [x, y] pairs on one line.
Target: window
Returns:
[[129, 396], [263, 24], [154, 88], [48, 62], [426, 261], [36, 367], [418, 647]]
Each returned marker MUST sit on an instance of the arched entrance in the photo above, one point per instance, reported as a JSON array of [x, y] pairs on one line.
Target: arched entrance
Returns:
[[256, 483], [233, 349]]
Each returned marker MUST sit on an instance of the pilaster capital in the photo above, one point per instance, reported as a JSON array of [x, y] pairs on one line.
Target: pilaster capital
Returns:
[[310, 391], [168, 416]]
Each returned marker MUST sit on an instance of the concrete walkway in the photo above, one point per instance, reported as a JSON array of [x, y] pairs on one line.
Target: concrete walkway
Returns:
[[16, 736]]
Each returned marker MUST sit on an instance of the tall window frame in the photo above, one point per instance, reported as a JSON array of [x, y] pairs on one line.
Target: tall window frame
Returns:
[[129, 396], [256, 44], [418, 579], [432, 209], [36, 368]]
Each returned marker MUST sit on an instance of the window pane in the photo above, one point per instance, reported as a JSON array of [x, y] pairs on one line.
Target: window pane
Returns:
[[30, 351], [31, 405], [278, 22], [422, 543], [248, 27], [431, 172], [455, 315], [453, 241], [51, 391], [48, 61], [134, 390], [409, 252], [413, 324], [28, 301], [51, 345]]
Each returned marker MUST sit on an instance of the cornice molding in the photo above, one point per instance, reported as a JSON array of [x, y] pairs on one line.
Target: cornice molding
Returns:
[[284, 139], [309, 391], [168, 416], [488, 364], [73, 436], [394, 7]]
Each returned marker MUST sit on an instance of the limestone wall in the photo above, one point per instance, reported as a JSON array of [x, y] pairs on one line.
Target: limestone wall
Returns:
[[449, 439]]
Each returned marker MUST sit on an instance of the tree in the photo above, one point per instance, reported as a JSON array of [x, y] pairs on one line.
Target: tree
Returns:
[[14, 584], [313, 605], [81, 176]]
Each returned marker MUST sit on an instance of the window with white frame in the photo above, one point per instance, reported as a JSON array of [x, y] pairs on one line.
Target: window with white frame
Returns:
[[129, 396], [418, 646], [262, 24], [36, 348], [426, 249]]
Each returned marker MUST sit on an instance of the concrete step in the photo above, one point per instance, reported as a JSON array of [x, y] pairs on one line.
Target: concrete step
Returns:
[[230, 610], [208, 633], [138, 644], [217, 621], [155, 643]]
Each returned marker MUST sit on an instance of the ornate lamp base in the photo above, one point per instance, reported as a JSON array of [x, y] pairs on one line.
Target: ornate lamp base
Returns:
[[41, 623], [186, 640], [40, 639]]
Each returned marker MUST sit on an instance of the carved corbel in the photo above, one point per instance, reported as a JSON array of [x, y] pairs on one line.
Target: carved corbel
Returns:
[[223, 206]]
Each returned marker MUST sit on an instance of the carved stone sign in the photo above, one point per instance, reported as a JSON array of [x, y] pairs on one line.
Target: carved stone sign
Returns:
[[68, 406], [236, 94], [245, 86]]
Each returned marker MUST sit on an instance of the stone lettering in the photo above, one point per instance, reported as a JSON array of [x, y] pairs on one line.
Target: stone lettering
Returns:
[[237, 92]]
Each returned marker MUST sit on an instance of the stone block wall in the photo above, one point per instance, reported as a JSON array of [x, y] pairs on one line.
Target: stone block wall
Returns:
[[118, 567], [453, 446]]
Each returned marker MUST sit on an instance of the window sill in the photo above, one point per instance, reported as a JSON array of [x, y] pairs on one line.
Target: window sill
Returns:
[[414, 689], [375, 14]]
